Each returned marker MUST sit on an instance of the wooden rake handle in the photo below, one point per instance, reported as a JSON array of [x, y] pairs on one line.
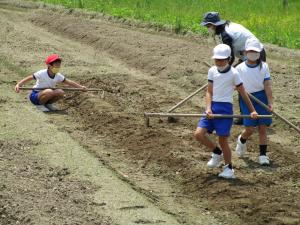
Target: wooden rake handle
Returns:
[[275, 113], [214, 116], [187, 98], [62, 88], [202, 115]]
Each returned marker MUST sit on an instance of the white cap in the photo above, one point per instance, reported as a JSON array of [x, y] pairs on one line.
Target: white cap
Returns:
[[253, 44], [221, 51]]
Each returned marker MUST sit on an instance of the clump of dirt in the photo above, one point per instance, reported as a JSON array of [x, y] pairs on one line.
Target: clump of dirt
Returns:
[[34, 193], [3, 100]]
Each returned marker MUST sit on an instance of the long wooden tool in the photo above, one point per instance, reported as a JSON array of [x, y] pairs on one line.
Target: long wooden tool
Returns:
[[267, 108], [62, 88], [148, 115], [172, 119], [275, 113], [190, 96], [187, 98]]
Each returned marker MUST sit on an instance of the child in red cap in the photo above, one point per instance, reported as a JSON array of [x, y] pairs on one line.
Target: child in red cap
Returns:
[[48, 78]]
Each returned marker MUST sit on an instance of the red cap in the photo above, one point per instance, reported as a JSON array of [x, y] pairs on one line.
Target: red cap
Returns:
[[52, 58]]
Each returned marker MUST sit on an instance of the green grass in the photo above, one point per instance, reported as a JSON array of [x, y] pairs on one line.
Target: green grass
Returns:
[[270, 20]]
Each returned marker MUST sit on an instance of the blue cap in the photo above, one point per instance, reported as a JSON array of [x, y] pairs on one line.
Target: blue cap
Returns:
[[212, 18]]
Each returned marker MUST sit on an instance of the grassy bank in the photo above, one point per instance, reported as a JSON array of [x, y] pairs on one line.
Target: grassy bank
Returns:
[[271, 21]]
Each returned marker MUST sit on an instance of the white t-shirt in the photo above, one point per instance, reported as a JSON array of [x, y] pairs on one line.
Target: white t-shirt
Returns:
[[239, 35], [43, 80], [223, 84], [253, 77]]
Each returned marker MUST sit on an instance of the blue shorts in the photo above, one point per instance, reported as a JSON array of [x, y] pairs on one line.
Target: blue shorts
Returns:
[[221, 126], [34, 97], [261, 95]]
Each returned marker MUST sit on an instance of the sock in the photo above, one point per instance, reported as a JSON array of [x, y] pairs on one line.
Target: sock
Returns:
[[217, 151], [263, 149], [243, 140], [230, 166]]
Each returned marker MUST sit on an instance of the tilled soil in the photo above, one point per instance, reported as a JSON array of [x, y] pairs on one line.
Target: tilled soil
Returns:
[[31, 191], [143, 70]]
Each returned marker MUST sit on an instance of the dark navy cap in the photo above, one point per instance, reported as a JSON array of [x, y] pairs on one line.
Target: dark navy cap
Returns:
[[212, 18]]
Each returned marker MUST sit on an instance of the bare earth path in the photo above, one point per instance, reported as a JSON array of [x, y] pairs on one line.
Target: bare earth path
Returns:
[[96, 163]]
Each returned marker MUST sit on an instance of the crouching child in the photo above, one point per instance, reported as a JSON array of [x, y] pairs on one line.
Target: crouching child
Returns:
[[47, 79]]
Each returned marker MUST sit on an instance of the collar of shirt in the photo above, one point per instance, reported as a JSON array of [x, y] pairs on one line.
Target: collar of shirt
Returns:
[[51, 77], [251, 65], [226, 70]]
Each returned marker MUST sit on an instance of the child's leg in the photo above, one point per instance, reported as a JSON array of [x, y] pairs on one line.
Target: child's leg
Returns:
[[58, 95], [247, 133], [228, 171], [50, 96], [263, 159], [223, 141], [216, 157], [262, 129], [201, 136], [241, 146]]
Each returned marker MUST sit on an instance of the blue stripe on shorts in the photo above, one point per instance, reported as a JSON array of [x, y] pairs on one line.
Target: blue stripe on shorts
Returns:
[[261, 95], [221, 126], [34, 97]]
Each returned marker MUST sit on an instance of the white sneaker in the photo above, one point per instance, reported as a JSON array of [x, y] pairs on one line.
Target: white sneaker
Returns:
[[42, 108], [215, 160], [52, 107], [227, 173], [241, 148], [264, 160]]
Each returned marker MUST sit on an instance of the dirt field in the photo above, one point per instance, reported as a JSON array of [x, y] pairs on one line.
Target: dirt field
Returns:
[[140, 70]]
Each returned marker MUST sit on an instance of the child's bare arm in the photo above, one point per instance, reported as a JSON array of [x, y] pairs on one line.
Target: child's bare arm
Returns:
[[208, 98], [268, 90], [246, 98], [20, 83], [73, 84]]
